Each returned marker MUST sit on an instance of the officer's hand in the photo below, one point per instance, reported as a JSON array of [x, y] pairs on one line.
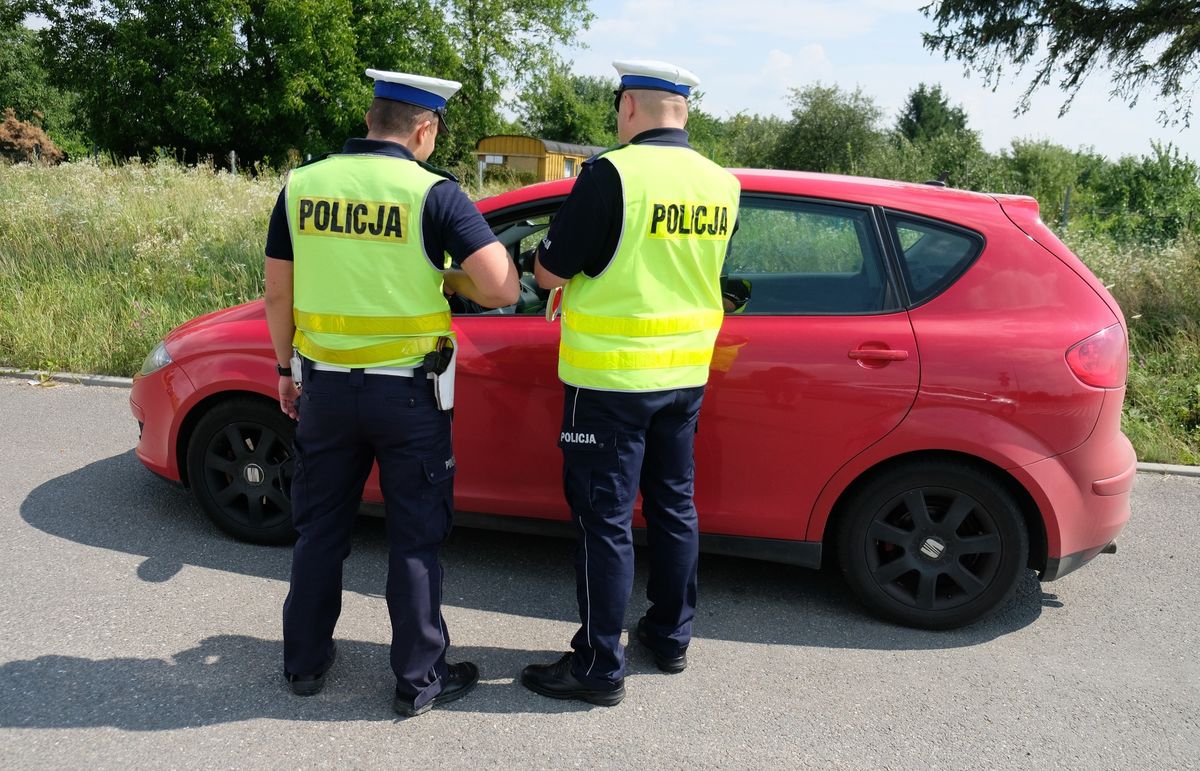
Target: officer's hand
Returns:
[[288, 393]]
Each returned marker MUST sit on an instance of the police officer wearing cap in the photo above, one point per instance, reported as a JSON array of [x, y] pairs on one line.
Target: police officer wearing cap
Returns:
[[357, 252], [638, 247]]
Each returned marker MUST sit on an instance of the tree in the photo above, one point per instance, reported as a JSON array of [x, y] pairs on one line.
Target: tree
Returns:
[[209, 76], [1148, 44], [13, 12], [707, 133], [1152, 197], [272, 78], [751, 139], [830, 130], [503, 44], [928, 113], [25, 86], [959, 154], [570, 108], [1047, 171]]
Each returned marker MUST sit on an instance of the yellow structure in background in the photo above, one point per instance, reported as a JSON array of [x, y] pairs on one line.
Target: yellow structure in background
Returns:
[[540, 159]]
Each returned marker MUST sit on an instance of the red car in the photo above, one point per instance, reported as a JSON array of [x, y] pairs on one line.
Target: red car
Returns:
[[920, 383]]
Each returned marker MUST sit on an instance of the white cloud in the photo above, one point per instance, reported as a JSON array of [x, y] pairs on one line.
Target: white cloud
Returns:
[[749, 53], [640, 24]]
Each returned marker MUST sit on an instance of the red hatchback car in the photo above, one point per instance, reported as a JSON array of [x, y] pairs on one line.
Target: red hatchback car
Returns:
[[920, 383]]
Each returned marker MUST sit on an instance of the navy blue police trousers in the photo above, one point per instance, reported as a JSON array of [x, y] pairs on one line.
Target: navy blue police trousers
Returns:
[[615, 444], [347, 420]]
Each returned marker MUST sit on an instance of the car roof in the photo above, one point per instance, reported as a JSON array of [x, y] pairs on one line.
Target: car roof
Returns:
[[904, 196]]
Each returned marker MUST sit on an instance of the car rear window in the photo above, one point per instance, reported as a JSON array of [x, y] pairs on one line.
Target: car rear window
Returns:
[[932, 254]]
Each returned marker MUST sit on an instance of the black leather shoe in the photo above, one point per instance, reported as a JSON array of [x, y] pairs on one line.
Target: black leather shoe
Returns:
[[310, 685], [672, 665], [556, 681], [461, 679]]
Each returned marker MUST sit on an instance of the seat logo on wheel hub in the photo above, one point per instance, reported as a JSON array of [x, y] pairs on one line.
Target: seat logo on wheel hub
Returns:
[[253, 474], [932, 548]]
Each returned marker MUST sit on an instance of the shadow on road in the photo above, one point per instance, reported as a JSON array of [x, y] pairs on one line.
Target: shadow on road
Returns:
[[230, 678], [116, 504]]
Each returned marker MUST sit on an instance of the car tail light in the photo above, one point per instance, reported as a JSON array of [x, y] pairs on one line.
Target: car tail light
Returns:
[[1102, 359]]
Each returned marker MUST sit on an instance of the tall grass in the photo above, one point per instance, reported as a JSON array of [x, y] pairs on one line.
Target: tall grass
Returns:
[[1158, 288], [97, 262]]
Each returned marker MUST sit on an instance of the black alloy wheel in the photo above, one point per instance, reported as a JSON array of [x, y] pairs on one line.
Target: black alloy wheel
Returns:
[[240, 469], [933, 544]]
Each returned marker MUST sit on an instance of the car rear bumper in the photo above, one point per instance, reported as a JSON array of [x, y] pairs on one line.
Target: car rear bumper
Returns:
[[1057, 567], [1084, 495]]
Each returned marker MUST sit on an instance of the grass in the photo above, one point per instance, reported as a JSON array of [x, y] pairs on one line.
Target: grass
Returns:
[[98, 262], [1158, 288]]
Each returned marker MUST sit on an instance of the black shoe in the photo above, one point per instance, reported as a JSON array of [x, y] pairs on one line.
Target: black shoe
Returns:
[[458, 683], [556, 681], [672, 665], [310, 685]]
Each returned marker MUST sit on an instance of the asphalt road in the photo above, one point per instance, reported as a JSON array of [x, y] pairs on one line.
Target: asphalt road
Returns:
[[134, 634]]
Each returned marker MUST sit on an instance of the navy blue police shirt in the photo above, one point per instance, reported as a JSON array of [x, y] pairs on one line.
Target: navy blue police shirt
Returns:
[[450, 224], [584, 235]]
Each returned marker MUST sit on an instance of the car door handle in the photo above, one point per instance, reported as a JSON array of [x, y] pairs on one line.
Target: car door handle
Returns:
[[878, 354]]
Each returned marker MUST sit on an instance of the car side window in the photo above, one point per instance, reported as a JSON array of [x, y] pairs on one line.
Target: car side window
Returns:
[[791, 257], [519, 233], [932, 254]]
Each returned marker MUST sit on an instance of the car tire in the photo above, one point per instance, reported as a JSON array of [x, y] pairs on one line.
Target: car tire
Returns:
[[240, 469], [933, 544]]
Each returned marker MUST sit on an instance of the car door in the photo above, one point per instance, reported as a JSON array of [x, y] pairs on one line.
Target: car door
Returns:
[[508, 402], [818, 362], [815, 361]]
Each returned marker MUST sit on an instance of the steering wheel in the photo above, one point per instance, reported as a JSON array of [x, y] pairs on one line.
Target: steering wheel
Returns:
[[526, 260]]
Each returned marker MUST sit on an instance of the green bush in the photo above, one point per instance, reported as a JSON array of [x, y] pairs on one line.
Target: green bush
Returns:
[[1153, 197]]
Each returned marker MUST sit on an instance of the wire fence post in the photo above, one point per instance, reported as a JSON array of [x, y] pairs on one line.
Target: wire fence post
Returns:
[[233, 162], [1066, 209]]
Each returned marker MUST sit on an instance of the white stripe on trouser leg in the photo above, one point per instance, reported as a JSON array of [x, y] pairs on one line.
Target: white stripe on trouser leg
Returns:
[[587, 594], [587, 583], [441, 618]]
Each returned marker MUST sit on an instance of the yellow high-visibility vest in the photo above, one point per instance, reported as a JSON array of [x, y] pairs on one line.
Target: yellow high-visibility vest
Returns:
[[365, 295], [649, 321]]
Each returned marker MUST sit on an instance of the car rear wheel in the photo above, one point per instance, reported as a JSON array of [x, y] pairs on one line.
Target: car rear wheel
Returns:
[[933, 544], [240, 469]]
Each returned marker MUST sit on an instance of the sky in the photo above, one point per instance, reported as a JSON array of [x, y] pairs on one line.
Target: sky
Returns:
[[749, 53]]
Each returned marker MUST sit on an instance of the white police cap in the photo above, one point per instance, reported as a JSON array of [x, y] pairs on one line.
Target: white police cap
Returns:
[[658, 76], [430, 93]]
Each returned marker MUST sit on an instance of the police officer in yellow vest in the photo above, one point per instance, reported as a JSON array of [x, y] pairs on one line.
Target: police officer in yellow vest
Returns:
[[357, 252], [638, 247]]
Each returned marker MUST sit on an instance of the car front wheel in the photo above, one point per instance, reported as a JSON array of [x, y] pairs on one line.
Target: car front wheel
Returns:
[[933, 544], [240, 469]]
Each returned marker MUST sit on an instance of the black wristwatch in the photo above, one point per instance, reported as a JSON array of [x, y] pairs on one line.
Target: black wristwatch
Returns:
[[282, 370]]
